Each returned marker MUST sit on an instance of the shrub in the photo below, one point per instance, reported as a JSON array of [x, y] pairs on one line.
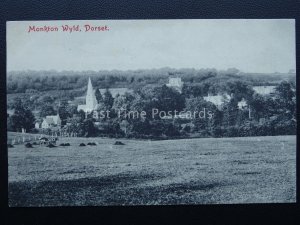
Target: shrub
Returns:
[[91, 143], [119, 143], [28, 145], [65, 144], [50, 145]]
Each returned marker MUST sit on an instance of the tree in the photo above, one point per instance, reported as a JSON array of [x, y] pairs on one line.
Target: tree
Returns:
[[47, 110], [215, 123], [202, 111], [81, 115], [198, 104], [230, 113], [63, 111], [139, 127], [108, 99], [46, 99], [284, 91], [98, 95], [74, 125], [9, 124], [122, 104], [239, 90], [22, 117], [72, 109], [87, 128], [162, 98], [190, 91], [112, 127], [140, 104], [170, 99], [259, 107], [286, 100]]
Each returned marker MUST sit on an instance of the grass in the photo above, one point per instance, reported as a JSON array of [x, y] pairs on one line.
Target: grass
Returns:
[[187, 171]]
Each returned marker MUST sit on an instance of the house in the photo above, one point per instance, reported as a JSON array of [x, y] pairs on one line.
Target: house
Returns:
[[10, 112], [46, 123], [242, 104], [37, 125], [176, 83], [51, 121], [217, 100], [264, 90]]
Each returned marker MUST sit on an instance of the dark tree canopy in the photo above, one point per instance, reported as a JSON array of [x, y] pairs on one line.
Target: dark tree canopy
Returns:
[[98, 95], [63, 111], [22, 117], [47, 110], [46, 92], [108, 99]]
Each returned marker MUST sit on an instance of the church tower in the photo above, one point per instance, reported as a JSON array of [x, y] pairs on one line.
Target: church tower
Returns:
[[91, 100]]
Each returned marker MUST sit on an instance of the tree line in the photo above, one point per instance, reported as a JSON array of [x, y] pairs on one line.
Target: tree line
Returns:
[[268, 115], [39, 81]]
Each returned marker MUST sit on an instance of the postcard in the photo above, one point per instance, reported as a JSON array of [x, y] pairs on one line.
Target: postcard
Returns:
[[151, 112]]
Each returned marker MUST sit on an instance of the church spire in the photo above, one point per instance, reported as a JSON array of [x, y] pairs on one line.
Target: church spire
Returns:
[[90, 87], [91, 101]]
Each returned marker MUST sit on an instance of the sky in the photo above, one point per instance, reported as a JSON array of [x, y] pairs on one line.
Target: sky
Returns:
[[255, 46]]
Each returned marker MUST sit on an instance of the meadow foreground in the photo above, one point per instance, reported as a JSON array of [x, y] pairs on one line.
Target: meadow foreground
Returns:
[[186, 171]]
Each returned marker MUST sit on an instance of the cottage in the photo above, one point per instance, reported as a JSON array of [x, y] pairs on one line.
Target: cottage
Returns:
[[37, 125], [217, 100], [51, 121], [176, 83], [264, 90], [242, 104]]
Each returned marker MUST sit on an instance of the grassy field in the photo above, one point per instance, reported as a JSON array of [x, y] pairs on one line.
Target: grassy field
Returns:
[[188, 171]]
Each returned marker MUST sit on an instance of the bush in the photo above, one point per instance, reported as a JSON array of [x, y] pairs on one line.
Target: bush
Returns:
[[217, 132], [50, 145], [34, 131], [285, 128], [28, 145], [91, 143], [231, 131], [119, 143], [82, 144], [65, 144]]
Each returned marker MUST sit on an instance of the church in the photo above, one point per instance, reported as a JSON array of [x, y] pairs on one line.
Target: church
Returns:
[[90, 99]]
